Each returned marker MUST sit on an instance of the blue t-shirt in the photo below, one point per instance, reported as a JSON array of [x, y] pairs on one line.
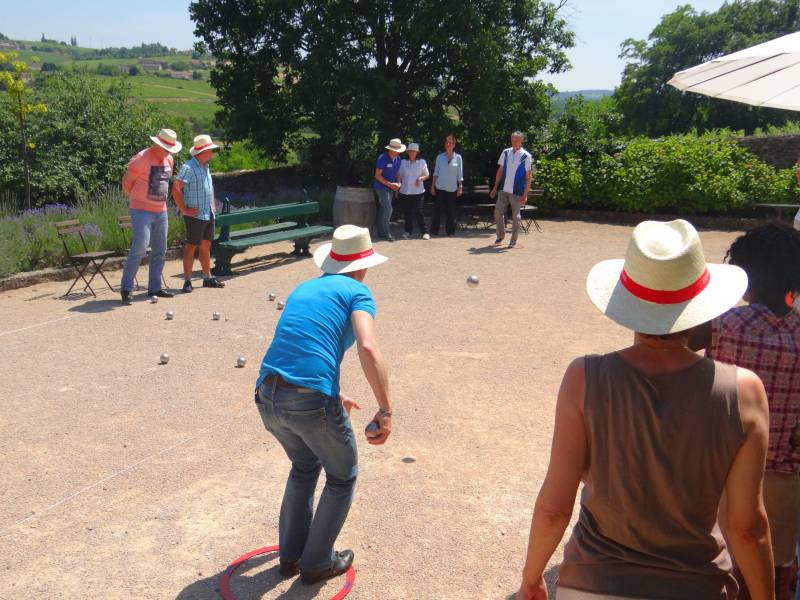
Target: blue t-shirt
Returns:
[[389, 167], [314, 332]]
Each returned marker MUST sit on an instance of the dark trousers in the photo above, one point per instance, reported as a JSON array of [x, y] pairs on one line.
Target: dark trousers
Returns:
[[444, 201], [412, 209]]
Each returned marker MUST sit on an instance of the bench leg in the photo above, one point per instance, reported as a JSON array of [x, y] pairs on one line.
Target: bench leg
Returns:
[[222, 264], [301, 247]]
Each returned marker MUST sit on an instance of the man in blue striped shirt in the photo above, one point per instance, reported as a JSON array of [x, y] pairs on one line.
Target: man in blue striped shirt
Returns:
[[193, 193]]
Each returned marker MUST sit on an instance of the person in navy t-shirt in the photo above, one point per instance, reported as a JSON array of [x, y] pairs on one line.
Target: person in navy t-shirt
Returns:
[[298, 397], [386, 186]]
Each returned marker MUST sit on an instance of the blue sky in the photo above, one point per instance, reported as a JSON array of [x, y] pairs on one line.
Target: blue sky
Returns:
[[600, 25]]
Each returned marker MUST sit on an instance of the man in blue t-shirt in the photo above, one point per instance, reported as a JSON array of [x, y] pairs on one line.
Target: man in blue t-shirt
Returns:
[[386, 186], [298, 397]]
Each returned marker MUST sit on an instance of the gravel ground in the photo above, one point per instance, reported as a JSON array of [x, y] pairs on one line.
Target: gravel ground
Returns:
[[123, 478]]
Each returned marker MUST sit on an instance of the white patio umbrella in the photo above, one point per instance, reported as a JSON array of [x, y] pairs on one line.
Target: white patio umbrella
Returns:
[[765, 75]]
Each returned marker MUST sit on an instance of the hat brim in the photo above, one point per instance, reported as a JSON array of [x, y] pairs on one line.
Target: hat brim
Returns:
[[174, 149], [324, 261], [399, 150], [194, 152], [726, 287]]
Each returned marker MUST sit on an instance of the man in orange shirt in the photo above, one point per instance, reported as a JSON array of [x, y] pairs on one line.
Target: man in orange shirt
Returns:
[[146, 183]]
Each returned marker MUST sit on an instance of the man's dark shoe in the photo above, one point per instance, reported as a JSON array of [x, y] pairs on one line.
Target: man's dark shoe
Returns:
[[161, 294], [187, 287], [126, 297], [289, 568], [213, 282], [341, 564]]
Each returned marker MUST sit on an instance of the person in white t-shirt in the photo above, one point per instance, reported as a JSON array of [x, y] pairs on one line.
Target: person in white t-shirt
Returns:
[[413, 172], [514, 172]]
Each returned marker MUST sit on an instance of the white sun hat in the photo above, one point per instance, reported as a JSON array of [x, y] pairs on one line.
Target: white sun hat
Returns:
[[168, 140], [664, 284], [351, 250], [413, 147], [396, 145], [201, 144]]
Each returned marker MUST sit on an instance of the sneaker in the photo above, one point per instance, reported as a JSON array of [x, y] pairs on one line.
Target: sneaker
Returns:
[[213, 282], [498, 241], [426, 236], [390, 238], [187, 286], [406, 236], [512, 244], [126, 297], [162, 293]]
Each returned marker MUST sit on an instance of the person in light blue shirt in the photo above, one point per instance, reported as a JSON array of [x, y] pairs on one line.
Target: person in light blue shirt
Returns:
[[446, 186], [300, 402]]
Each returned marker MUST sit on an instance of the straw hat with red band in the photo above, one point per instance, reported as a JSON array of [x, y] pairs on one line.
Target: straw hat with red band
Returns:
[[168, 140], [664, 284], [351, 250], [201, 144]]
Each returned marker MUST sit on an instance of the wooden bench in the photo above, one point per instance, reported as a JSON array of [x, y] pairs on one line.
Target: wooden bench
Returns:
[[292, 224]]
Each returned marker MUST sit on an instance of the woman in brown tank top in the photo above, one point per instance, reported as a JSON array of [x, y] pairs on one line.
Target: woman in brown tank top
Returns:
[[656, 433]]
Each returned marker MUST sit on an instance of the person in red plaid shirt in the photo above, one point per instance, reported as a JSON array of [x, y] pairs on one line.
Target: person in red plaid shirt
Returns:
[[764, 336]]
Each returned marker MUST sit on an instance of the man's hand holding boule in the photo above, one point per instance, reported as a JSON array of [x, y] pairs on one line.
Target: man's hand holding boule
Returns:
[[380, 435]]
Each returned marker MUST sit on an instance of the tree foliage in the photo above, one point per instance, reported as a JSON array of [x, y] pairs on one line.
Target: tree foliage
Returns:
[[360, 73], [84, 140], [685, 38]]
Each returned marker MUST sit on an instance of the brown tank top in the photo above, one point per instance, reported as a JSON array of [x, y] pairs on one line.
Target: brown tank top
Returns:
[[660, 448]]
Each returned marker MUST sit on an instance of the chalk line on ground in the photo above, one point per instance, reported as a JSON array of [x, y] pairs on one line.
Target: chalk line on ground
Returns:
[[2, 333]]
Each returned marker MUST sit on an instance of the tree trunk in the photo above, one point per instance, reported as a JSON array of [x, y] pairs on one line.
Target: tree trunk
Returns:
[[25, 157]]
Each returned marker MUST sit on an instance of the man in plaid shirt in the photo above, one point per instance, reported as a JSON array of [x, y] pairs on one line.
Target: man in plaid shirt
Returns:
[[764, 337]]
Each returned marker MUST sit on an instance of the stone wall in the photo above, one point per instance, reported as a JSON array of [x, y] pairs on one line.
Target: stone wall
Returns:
[[780, 151]]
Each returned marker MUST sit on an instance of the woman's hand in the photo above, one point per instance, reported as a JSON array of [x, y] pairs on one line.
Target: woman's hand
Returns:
[[536, 590]]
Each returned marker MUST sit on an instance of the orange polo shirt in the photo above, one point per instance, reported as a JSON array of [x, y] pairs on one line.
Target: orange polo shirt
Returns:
[[146, 182]]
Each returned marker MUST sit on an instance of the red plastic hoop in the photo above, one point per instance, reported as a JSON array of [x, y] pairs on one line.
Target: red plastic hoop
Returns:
[[224, 581]]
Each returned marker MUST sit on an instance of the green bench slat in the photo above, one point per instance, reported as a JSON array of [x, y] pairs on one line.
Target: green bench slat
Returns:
[[277, 211], [278, 236], [245, 233]]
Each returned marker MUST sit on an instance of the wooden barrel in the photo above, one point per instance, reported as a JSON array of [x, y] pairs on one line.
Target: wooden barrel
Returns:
[[354, 206]]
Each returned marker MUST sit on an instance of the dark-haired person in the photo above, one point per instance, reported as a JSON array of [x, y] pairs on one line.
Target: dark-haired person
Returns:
[[764, 336], [446, 186]]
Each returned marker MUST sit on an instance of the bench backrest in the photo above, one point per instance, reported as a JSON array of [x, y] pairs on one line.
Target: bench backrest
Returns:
[[276, 211]]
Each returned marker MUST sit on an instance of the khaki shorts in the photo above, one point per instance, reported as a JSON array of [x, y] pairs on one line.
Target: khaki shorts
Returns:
[[570, 594], [782, 501]]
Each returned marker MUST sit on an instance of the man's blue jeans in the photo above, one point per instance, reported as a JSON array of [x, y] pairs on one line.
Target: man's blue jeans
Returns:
[[385, 196], [147, 229], [316, 433]]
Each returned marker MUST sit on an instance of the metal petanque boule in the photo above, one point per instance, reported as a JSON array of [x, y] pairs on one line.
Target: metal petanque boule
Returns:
[[215, 316], [153, 299], [169, 316], [241, 362], [272, 297], [281, 305], [473, 281], [164, 358]]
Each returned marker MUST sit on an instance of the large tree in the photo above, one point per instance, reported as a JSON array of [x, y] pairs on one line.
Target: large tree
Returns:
[[683, 39], [352, 74]]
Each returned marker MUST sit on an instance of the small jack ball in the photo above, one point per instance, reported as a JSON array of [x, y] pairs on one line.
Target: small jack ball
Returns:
[[164, 358], [215, 316], [473, 281]]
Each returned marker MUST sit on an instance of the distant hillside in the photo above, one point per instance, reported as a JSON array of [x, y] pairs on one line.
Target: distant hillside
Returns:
[[588, 94]]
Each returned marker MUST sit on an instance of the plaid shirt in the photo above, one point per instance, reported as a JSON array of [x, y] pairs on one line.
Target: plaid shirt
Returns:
[[754, 338], [198, 188]]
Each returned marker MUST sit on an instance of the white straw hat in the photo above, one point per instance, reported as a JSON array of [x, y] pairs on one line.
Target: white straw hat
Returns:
[[664, 284], [351, 250], [396, 145], [168, 140], [413, 147], [201, 144]]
